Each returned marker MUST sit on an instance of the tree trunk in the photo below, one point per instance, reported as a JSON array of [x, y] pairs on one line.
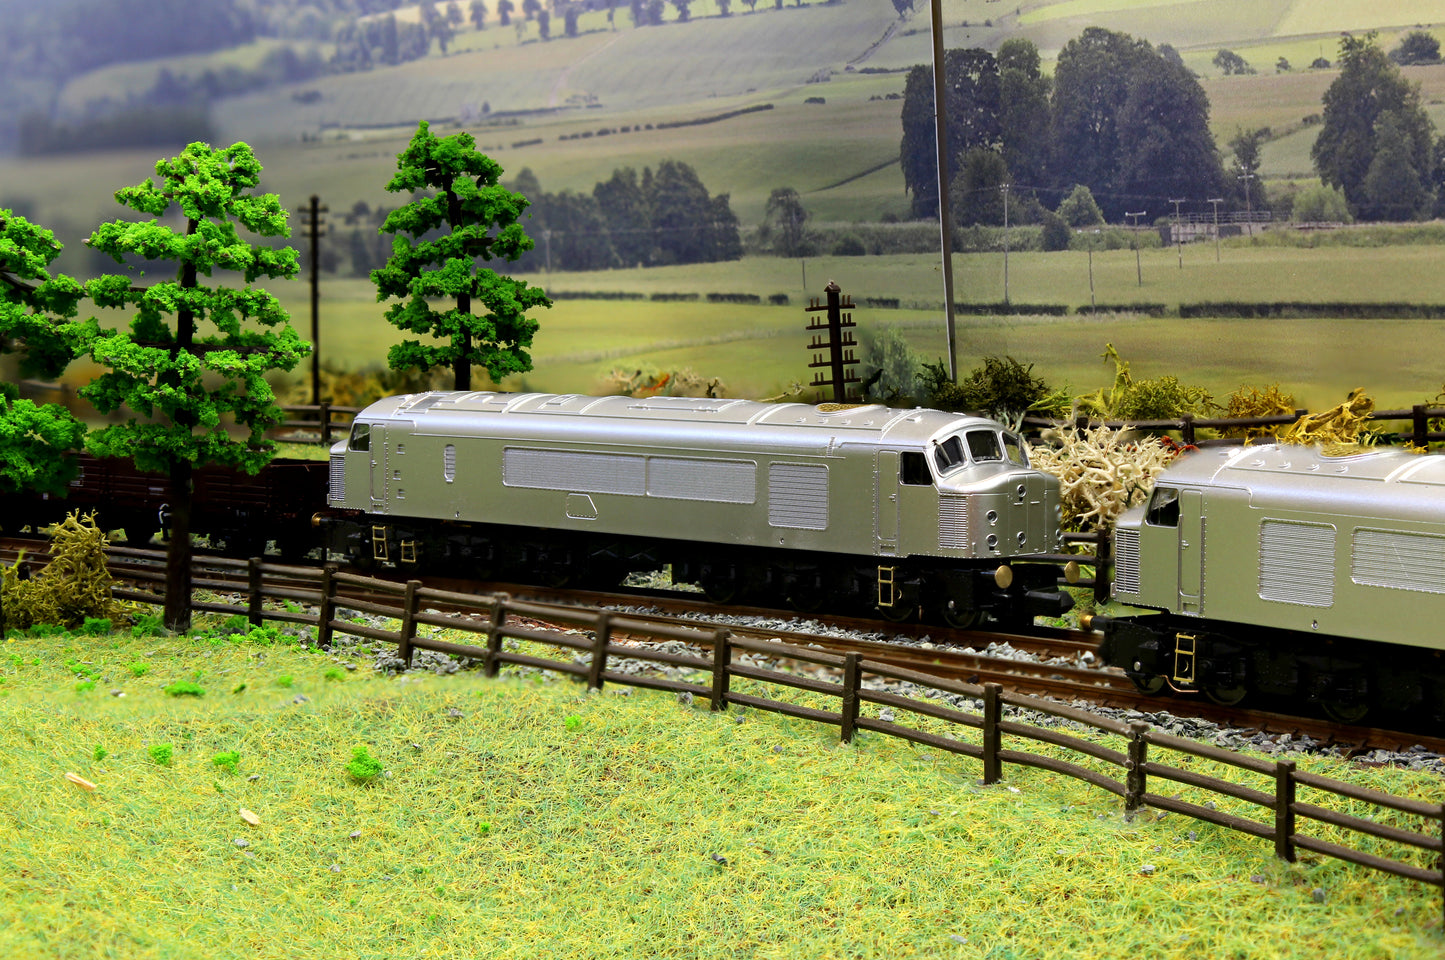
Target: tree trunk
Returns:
[[178, 552], [464, 362]]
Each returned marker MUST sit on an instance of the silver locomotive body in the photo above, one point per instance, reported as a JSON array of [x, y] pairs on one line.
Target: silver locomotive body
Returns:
[[1282, 570], [705, 484]]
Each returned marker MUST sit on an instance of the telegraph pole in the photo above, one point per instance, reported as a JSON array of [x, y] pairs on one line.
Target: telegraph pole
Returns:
[[1216, 201], [1134, 227], [1005, 244], [1178, 233], [1246, 176], [315, 229]]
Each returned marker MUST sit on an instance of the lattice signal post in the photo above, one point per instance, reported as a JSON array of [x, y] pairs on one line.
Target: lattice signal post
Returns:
[[840, 335]]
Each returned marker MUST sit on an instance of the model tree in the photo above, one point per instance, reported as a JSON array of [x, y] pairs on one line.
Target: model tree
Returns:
[[459, 214], [37, 322], [180, 382]]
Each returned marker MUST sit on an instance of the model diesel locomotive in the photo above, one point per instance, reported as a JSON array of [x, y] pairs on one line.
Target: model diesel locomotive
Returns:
[[1280, 570], [908, 509]]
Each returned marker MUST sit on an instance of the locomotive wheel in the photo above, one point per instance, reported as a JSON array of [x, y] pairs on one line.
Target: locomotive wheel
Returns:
[[1346, 711], [961, 618], [898, 613], [1225, 696], [1148, 684], [719, 589]]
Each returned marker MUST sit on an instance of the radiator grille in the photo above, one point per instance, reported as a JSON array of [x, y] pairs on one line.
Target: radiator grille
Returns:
[[1126, 562], [1297, 563], [953, 523], [1401, 561], [338, 478], [798, 496]]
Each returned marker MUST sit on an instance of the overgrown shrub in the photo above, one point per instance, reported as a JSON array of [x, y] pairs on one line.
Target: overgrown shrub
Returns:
[[889, 369], [650, 382], [1162, 398], [1003, 388], [72, 589], [1248, 402]]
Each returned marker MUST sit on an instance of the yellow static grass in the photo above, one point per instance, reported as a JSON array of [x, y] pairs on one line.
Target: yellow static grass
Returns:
[[643, 827]]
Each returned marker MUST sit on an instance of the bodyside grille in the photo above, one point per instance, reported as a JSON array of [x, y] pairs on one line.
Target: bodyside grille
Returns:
[[338, 478], [953, 523], [1297, 563], [1126, 562]]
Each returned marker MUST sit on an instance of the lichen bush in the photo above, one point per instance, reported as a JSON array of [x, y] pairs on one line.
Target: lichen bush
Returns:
[[1248, 402], [73, 589], [1101, 473], [1161, 398], [1340, 430], [1002, 388], [363, 768]]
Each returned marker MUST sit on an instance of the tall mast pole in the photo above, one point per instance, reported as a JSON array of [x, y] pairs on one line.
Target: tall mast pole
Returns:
[[945, 219]]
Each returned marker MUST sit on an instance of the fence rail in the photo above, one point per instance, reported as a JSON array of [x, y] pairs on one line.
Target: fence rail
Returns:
[[1130, 771], [1188, 426], [315, 423]]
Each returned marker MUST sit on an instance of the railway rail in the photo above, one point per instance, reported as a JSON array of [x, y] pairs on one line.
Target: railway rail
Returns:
[[1057, 663]]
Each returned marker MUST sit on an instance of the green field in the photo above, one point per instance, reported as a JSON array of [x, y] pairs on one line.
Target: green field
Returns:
[[519, 819], [759, 350]]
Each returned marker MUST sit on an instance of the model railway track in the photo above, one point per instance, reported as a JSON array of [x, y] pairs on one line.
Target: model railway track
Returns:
[[1062, 670]]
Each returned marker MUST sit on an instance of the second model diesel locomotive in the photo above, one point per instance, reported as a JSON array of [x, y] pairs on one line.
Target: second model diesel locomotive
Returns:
[[1287, 572], [908, 510]]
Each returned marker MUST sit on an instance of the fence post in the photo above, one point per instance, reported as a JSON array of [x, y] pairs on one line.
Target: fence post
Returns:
[[992, 713], [1284, 810], [253, 591], [599, 651], [325, 414], [1420, 425], [722, 658], [1186, 429], [408, 622], [1136, 781], [852, 671], [494, 634], [327, 610]]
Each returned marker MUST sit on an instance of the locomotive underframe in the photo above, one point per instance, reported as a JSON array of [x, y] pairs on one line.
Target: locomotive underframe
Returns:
[[956, 592], [1226, 661]]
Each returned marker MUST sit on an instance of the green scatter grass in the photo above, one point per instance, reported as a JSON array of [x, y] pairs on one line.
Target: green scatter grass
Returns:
[[642, 828]]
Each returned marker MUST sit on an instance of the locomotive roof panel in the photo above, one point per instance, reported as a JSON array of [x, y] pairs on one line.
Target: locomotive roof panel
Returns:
[[863, 422], [1281, 474]]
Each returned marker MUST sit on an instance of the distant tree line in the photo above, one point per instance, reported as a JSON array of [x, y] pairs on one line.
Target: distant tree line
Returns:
[[1125, 119], [1129, 122], [660, 217]]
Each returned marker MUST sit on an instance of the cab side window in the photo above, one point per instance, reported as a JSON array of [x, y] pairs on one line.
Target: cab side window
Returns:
[[1013, 448], [913, 470], [1163, 508], [360, 437]]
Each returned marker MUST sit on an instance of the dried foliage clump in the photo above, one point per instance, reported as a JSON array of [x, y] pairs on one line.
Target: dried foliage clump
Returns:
[[1340, 430], [1101, 473], [73, 587], [1162, 398], [685, 382], [1249, 402]]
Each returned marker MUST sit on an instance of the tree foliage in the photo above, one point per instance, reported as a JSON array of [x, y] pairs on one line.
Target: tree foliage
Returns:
[[1079, 210], [1369, 89], [37, 321], [971, 94], [977, 190], [1130, 124], [1231, 63], [459, 213], [1320, 203], [179, 384], [784, 226], [1418, 46]]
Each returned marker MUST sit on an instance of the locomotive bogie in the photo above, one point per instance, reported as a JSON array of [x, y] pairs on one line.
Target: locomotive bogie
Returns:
[[806, 503]]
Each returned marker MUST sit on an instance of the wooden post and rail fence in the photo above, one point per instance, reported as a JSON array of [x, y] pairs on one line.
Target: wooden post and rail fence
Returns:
[[1141, 770]]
